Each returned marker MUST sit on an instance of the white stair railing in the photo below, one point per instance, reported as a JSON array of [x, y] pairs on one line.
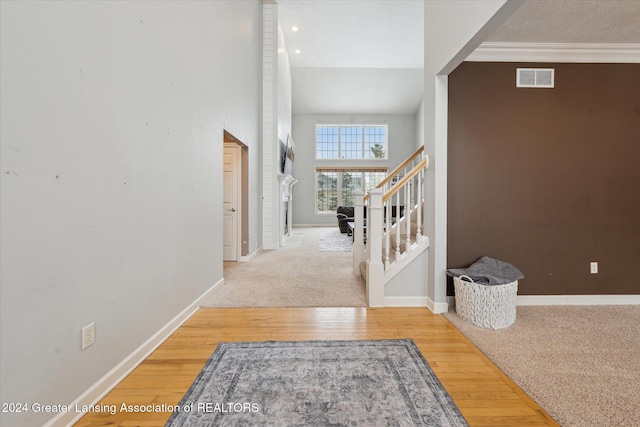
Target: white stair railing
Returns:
[[359, 252], [401, 170], [393, 228], [375, 267]]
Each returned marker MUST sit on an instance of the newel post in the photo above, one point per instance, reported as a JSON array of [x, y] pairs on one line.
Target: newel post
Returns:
[[375, 267], [358, 232]]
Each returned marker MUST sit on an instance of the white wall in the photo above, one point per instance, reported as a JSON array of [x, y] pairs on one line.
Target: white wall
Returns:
[[284, 89], [284, 116], [409, 283], [452, 31], [111, 145], [420, 125], [276, 119], [402, 142]]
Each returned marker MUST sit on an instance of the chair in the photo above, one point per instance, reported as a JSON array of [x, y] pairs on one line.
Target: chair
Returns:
[[344, 215]]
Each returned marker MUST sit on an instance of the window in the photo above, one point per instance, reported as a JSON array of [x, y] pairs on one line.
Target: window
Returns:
[[351, 142], [335, 186], [327, 142], [327, 191]]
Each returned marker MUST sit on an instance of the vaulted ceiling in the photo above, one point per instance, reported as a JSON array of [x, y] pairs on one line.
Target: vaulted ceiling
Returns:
[[363, 56], [366, 56]]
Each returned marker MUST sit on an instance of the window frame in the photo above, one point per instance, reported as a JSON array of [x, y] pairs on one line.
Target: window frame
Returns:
[[362, 142], [344, 169], [315, 194]]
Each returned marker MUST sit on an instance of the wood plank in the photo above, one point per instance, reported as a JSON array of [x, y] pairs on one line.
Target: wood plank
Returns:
[[483, 393]]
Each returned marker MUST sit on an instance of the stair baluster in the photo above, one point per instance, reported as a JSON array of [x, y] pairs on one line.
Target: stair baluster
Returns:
[[359, 249], [407, 200], [387, 234], [419, 201], [403, 190]]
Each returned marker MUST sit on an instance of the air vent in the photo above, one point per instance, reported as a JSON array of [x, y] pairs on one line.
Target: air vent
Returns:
[[534, 77]]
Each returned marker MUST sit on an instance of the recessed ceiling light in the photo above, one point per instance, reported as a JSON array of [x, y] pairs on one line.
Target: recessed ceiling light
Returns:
[[298, 51], [294, 28]]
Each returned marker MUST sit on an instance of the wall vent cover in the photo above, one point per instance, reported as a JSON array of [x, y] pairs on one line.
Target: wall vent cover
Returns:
[[535, 77]]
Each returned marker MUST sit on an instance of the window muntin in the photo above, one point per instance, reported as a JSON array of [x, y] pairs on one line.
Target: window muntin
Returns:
[[351, 142], [326, 191], [327, 142], [335, 189], [372, 179], [375, 142]]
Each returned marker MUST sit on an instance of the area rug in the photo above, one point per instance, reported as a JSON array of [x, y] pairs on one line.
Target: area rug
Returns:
[[348, 383], [335, 241]]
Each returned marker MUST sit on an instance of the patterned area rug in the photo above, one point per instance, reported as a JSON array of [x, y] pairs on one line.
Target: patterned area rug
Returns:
[[335, 241], [348, 383]]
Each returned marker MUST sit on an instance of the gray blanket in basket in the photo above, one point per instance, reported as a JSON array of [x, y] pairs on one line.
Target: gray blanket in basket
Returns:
[[489, 271]]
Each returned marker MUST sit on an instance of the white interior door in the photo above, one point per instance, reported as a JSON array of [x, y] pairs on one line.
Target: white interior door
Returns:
[[231, 195]]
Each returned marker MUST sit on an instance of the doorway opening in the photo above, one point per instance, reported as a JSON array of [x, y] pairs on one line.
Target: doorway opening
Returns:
[[235, 199]]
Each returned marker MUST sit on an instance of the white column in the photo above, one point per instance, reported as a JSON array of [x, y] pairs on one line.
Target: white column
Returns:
[[271, 198], [375, 267], [358, 232], [453, 29]]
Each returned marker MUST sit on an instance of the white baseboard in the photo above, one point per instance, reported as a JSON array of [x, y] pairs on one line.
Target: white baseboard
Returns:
[[405, 301], [250, 257], [437, 307], [105, 384], [578, 300]]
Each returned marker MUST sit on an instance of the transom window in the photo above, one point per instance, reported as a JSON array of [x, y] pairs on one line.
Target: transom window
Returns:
[[351, 142], [335, 186]]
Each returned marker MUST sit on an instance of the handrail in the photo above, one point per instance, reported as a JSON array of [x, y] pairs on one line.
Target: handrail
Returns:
[[401, 233], [399, 168], [413, 172], [393, 173]]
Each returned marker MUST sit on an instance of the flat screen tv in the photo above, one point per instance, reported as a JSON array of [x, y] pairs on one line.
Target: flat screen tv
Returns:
[[282, 155], [288, 156]]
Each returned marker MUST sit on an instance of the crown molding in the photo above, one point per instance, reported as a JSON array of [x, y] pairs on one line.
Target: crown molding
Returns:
[[556, 52]]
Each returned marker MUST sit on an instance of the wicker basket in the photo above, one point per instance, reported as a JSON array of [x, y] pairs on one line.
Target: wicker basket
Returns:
[[492, 307]]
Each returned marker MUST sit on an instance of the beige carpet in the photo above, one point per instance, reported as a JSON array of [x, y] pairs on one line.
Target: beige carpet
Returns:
[[580, 363], [296, 275]]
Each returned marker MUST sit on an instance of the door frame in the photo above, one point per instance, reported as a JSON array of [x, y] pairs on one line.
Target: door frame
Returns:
[[242, 231]]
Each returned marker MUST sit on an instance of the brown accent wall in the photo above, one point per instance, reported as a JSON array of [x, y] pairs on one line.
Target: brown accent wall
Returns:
[[547, 179]]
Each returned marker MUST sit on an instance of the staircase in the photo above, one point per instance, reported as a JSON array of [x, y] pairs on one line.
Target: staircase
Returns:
[[393, 226]]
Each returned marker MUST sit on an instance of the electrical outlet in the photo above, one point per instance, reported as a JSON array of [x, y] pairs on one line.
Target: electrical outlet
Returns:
[[594, 267], [88, 335]]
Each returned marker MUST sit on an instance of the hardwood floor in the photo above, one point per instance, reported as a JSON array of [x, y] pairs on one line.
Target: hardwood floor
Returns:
[[485, 396]]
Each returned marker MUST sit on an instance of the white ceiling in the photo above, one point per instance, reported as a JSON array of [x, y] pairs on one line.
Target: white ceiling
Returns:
[[572, 21], [354, 33], [357, 56], [366, 56], [357, 90]]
